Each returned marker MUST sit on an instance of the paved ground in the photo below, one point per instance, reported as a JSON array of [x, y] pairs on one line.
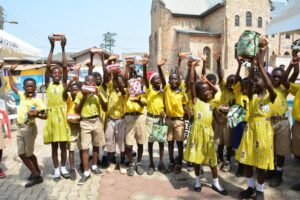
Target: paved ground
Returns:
[[117, 186]]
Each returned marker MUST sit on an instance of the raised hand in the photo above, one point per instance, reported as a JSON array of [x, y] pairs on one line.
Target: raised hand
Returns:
[[130, 61], [203, 79], [217, 56], [13, 67], [182, 56], [63, 42], [162, 62], [145, 60], [52, 41], [203, 56]]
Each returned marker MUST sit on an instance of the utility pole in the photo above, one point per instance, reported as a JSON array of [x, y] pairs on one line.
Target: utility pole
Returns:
[[1, 17]]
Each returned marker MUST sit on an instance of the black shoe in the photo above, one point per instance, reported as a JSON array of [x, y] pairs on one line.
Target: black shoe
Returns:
[[197, 189], [97, 171], [81, 168], [222, 192], [130, 170], [34, 181], [104, 162], [162, 168], [151, 170], [296, 187], [177, 169], [83, 179], [133, 154], [247, 193], [259, 195], [276, 180], [72, 175], [56, 179], [30, 177], [240, 171], [270, 174], [171, 167], [139, 169]]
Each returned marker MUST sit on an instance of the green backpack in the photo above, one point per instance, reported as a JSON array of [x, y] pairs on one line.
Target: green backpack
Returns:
[[248, 44]]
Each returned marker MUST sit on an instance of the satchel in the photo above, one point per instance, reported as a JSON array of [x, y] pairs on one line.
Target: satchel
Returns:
[[248, 44], [159, 131], [235, 116]]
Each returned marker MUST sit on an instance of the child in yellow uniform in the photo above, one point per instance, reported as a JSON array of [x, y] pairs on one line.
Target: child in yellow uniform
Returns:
[[294, 89], [73, 119], [175, 101], [226, 101], [256, 148], [31, 107], [200, 147], [88, 104], [280, 123], [155, 113], [57, 132], [135, 121], [115, 125], [241, 99]]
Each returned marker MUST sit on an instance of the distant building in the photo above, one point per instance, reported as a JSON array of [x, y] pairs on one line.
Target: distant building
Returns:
[[209, 26]]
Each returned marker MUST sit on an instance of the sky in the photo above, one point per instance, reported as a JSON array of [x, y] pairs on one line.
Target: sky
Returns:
[[82, 21]]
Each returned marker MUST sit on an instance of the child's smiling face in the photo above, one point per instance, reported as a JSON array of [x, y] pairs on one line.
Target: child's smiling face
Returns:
[[174, 81], [29, 88]]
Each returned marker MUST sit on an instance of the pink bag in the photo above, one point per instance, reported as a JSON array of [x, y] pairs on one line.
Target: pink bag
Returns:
[[135, 87]]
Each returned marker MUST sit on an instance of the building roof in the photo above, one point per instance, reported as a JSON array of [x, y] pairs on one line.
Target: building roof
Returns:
[[196, 32], [191, 7], [277, 6], [57, 58]]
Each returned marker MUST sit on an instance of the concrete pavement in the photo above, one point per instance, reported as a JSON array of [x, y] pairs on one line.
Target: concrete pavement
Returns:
[[116, 186]]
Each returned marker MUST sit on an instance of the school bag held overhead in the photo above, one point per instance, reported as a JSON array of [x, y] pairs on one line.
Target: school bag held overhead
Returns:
[[248, 44]]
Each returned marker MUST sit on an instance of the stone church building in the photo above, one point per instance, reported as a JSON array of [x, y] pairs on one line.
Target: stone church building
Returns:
[[209, 26]]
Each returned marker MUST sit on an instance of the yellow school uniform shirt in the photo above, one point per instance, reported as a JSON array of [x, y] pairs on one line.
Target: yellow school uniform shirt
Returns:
[[91, 106], [227, 96], [116, 107], [104, 94], [26, 103], [70, 105], [240, 98], [155, 101], [280, 106], [174, 101], [131, 106], [215, 102], [295, 90]]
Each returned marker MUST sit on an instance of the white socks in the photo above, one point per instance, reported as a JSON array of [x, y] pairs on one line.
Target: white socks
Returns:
[[217, 184], [259, 187], [280, 169], [198, 181], [63, 170], [56, 172], [94, 167], [250, 182], [86, 173]]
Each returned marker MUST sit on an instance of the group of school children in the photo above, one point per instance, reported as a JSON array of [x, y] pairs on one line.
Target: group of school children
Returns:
[[110, 116]]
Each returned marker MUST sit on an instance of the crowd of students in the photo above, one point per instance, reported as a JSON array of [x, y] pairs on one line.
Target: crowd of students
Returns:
[[106, 112]]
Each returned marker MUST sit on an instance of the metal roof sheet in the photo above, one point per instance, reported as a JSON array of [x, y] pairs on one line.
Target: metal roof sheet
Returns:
[[190, 7], [196, 32]]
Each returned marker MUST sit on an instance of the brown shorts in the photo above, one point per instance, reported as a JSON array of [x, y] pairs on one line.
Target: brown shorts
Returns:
[[91, 133], [115, 134], [296, 138], [282, 137], [176, 130], [26, 138], [135, 129], [75, 137], [222, 133]]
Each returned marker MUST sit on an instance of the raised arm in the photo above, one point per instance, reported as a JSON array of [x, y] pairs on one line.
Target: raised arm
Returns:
[[284, 79], [193, 82], [64, 61], [266, 78], [212, 86], [179, 67], [91, 63], [105, 72], [11, 81], [204, 58], [188, 76], [102, 103], [144, 63], [119, 85], [217, 57], [251, 79], [66, 89], [237, 75], [161, 74], [49, 61]]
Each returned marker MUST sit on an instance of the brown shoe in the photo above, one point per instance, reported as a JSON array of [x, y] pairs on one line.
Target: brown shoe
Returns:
[[171, 167], [177, 169]]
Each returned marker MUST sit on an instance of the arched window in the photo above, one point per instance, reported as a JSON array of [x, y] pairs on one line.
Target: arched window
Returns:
[[182, 24], [155, 43], [207, 51], [235, 50], [248, 19], [259, 22], [237, 20]]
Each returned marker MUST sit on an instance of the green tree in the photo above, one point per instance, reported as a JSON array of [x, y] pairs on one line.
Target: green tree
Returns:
[[109, 41]]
